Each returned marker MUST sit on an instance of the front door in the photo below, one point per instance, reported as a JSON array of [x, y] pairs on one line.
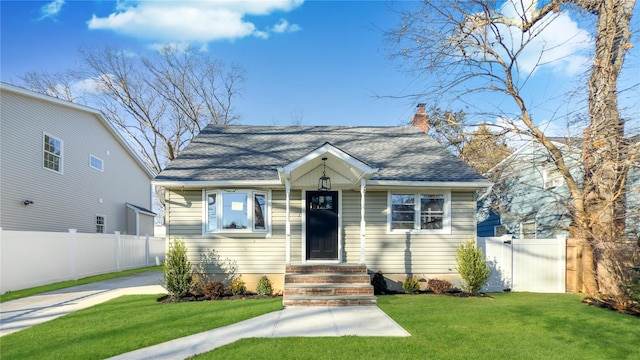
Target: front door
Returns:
[[322, 225]]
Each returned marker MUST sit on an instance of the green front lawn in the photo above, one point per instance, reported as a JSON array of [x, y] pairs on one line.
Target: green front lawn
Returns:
[[125, 324], [509, 326]]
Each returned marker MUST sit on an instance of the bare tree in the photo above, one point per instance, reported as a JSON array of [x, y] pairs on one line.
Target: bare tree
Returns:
[[475, 46], [160, 102]]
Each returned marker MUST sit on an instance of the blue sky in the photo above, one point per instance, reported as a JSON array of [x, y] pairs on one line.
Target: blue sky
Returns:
[[321, 61]]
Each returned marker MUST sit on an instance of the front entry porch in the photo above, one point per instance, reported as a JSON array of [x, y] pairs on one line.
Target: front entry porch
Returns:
[[327, 285]]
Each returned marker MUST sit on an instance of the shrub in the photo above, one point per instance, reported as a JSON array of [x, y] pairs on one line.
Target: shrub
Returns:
[[379, 283], [213, 289], [439, 286], [178, 276], [411, 285], [264, 286], [472, 267], [238, 287]]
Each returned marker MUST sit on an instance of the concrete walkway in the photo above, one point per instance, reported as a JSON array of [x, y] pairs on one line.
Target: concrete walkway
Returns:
[[291, 322]]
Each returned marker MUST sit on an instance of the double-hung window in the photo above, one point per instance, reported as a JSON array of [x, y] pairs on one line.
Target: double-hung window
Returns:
[[427, 212], [101, 224], [52, 153], [236, 211]]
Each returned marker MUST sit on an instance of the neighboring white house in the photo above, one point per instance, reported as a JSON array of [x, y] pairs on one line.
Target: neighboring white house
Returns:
[[64, 166]]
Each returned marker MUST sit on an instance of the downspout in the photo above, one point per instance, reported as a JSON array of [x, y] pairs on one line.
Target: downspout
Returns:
[[363, 190]]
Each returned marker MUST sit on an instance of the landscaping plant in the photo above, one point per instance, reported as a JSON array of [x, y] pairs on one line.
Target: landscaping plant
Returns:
[[472, 267], [213, 289], [379, 283], [439, 286], [411, 285], [264, 286], [238, 287], [178, 275]]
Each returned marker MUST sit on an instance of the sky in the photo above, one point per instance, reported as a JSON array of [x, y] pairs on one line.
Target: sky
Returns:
[[313, 62]]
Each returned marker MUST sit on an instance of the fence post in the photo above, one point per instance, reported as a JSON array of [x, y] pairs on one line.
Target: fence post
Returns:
[[562, 265], [73, 262], [146, 249], [118, 249]]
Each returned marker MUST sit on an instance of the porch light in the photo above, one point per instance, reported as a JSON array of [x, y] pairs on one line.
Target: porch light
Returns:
[[324, 183]]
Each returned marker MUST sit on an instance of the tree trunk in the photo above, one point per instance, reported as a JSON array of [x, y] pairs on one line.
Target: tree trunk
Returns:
[[603, 154]]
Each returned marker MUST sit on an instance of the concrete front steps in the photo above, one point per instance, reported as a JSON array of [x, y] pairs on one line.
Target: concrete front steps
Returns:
[[327, 285]]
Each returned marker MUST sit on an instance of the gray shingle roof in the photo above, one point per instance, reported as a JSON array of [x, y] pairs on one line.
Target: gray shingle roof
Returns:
[[401, 153]]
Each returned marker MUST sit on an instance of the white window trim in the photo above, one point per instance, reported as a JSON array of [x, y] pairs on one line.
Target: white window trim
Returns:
[[446, 219], [101, 169], [44, 135], [535, 229], [104, 225], [250, 211], [550, 184]]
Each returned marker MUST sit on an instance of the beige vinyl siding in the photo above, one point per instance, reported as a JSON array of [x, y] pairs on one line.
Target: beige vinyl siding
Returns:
[[71, 199], [420, 254], [252, 255], [400, 253]]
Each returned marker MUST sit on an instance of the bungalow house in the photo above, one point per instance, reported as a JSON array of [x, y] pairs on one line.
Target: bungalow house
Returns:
[[64, 166], [529, 198], [289, 202]]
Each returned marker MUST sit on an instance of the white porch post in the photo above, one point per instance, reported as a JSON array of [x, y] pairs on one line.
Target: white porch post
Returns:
[[287, 185], [363, 190]]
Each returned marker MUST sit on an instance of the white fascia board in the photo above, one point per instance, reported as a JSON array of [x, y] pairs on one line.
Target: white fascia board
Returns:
[[217, 184], [431, 184], [328, 148]]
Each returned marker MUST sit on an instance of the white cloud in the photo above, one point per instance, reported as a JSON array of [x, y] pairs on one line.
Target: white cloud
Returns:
[[558, 43], [192, 21], [283, 27], [51, 9]]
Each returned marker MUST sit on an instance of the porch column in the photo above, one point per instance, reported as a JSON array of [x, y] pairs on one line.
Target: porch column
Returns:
[[287, 186], [363, 190]]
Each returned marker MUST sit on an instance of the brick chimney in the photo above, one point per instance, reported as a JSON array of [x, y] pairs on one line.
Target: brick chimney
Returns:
[[420, 119]]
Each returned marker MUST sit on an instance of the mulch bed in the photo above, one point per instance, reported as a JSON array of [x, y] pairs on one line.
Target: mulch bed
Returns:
[[192, 297]]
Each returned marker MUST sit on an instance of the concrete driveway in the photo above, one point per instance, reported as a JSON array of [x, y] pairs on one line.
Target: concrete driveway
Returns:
[[26, 312]]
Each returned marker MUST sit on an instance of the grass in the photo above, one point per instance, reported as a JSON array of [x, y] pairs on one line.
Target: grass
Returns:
[[13, 295], [126, 324], [509, 326]]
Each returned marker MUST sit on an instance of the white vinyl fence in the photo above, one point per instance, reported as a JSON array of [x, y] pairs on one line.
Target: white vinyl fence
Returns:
[[534, 265], [29, 258]]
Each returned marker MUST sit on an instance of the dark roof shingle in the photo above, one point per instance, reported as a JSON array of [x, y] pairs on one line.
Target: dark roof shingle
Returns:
[[401, 153]]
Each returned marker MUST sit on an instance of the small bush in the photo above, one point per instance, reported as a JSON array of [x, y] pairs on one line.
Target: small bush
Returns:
[[411, 285], [379, 283], [238, 287], [472, 267], [264, 286], [178, 276], [213, 289], [439, 286]]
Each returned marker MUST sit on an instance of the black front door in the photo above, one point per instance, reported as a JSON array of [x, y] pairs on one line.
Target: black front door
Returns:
[[322, 225]]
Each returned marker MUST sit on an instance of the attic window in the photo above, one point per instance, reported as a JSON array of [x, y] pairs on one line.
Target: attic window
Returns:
[[552, 178]]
